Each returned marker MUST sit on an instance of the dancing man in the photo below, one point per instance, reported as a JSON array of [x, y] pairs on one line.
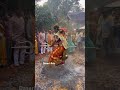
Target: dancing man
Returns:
[[58, 55]]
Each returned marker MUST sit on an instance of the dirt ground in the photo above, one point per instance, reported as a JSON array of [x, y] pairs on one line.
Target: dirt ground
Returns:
[[13, 78], [70, 76], [103, 73]]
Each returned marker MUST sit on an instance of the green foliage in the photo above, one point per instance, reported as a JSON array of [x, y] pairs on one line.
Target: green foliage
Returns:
[[44, 19], [55, 11], [61, 8]]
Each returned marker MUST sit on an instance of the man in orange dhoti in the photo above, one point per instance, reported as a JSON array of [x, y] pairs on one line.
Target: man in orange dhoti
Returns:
[[58, 55]]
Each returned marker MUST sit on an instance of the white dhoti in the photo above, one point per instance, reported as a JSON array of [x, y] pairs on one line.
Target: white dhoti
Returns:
[[19, 54]]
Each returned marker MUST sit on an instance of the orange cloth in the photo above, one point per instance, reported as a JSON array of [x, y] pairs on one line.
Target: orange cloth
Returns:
[[56, 54], [58, 51], [50, 39], [36, 46]]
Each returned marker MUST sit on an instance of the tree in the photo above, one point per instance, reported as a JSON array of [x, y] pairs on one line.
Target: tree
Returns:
[[44, 19], [55, 11], [61, 8]]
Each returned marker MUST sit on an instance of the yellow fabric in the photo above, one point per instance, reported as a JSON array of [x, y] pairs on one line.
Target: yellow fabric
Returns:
[[36, 47], [63, 39], [50, 39], [3, 58]]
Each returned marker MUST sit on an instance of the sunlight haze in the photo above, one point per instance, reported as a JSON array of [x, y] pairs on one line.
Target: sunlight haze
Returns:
[[40, 3]]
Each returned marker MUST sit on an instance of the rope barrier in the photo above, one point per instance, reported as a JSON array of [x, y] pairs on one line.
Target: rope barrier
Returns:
[[25, 47]]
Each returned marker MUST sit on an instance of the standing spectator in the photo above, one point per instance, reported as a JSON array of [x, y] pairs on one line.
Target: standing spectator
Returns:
[[71, 45], [29, 28], [117, 30], [8, 40], [18, 35], [36, 45], [39, 42], [79, 43], [98, 36], [33, 27], [106, 31], [41, 39], [49, 40], [83, 40]]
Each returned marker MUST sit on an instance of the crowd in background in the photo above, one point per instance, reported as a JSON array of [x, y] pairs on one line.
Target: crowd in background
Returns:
[[104, 30], [44, 40], [15, 26], [19, 26]]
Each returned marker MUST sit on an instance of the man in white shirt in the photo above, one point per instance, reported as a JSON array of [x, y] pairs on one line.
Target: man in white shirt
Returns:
[[41, 38]]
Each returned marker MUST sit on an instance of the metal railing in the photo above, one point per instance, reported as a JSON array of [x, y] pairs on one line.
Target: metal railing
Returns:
[[29, 46]]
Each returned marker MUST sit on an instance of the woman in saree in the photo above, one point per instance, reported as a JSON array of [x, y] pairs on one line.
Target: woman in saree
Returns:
[[3, 57], [71, 45], [58, 55]]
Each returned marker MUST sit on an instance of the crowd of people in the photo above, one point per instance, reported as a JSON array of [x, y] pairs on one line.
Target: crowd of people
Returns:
[[103, 31], [15, 27], [45, 39], [18, 26]]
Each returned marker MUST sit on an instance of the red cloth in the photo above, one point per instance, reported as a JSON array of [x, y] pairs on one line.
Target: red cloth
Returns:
[[64, 29], [56, 53]]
